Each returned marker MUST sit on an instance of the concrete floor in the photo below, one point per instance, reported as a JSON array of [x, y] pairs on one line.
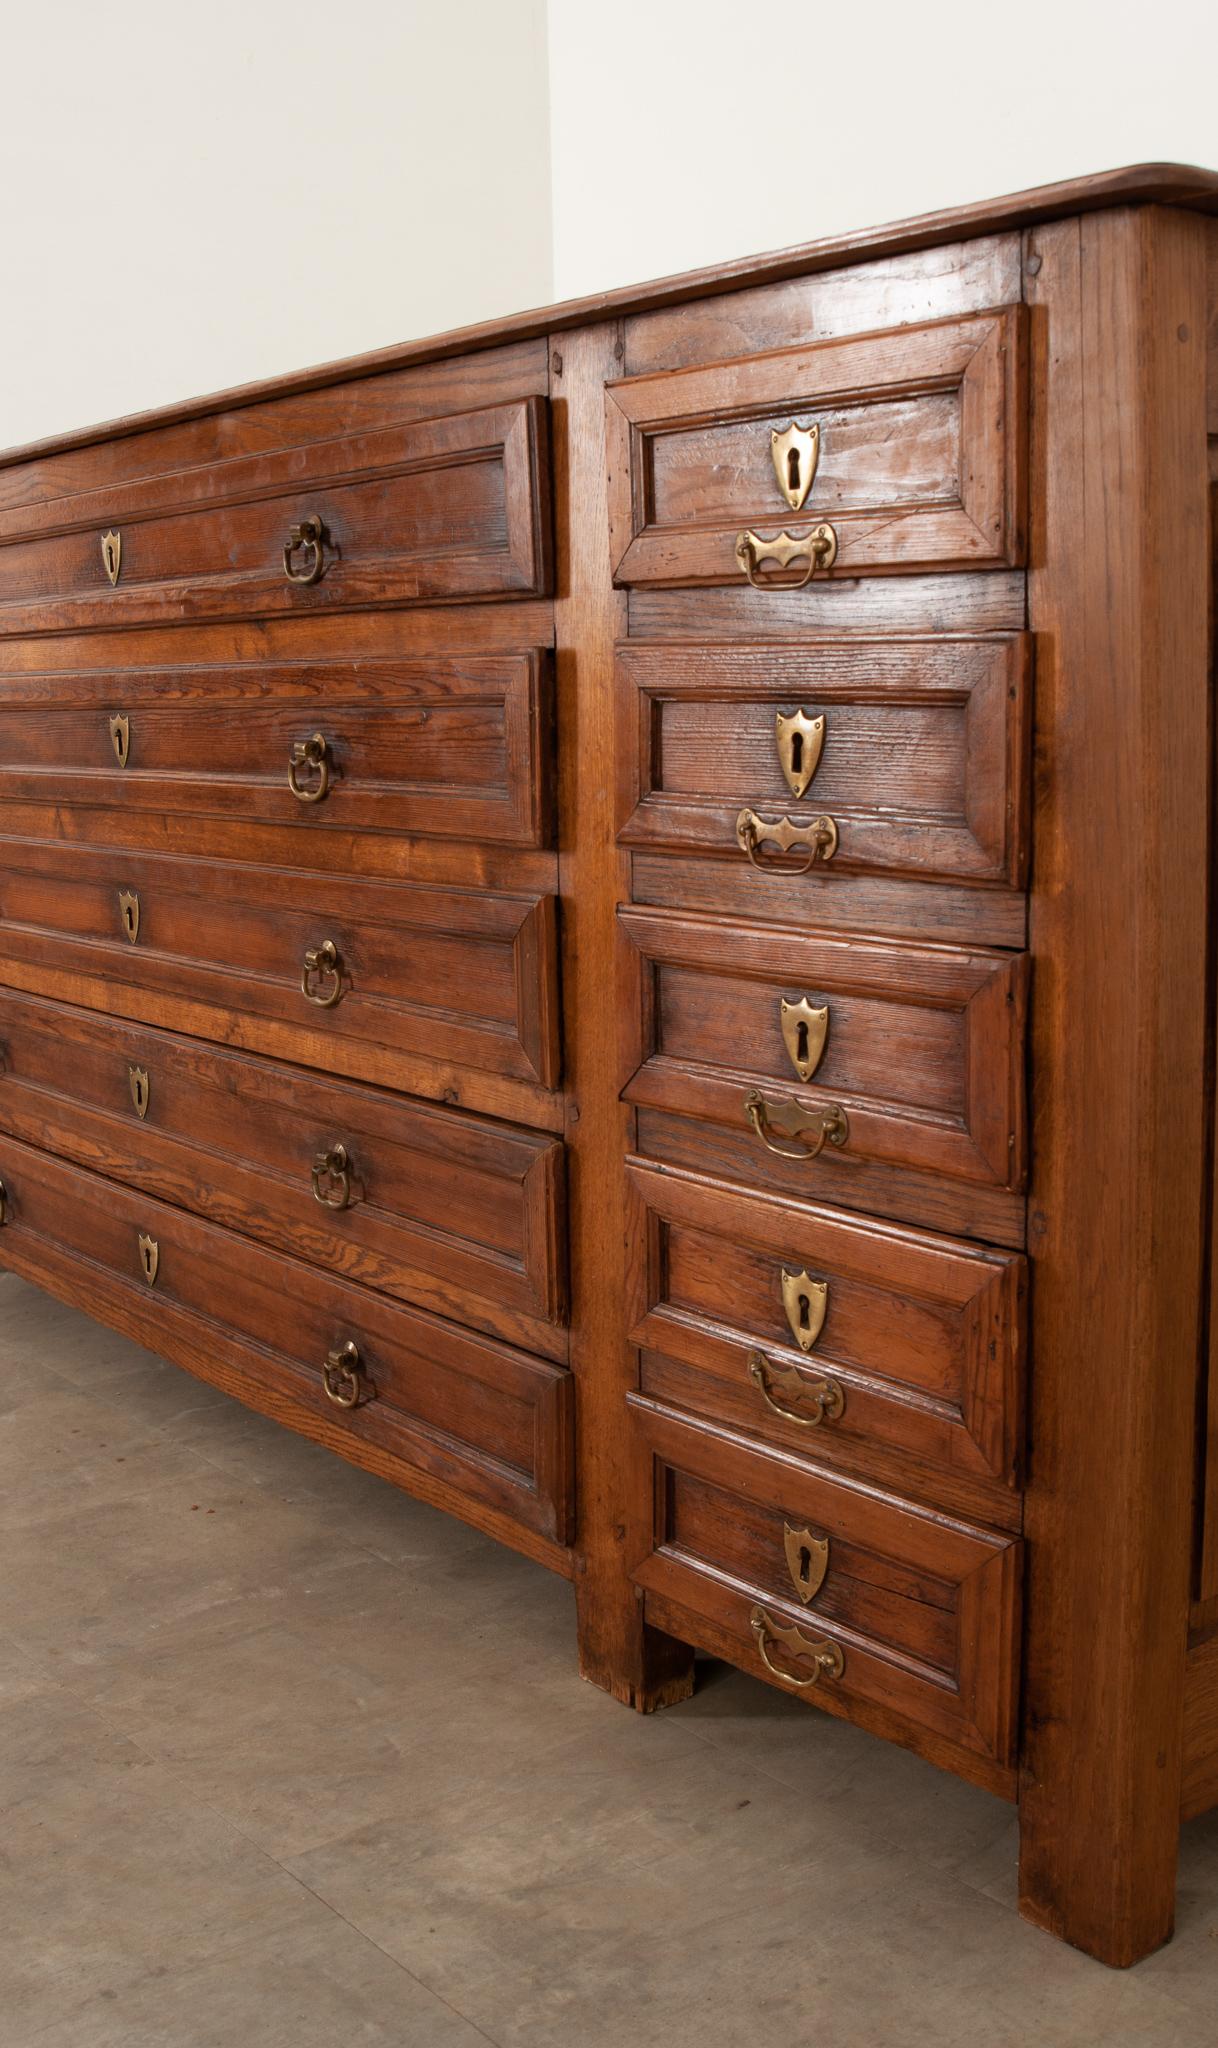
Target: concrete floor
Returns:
[[289, 1761]]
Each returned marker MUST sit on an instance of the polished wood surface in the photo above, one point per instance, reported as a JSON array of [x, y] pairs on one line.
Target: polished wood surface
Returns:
[[919, 1430]]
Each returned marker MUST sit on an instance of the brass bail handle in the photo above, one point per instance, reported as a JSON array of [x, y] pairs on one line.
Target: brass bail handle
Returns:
[[819, 839], [823, 1398], [323, 966], [817, 550], [308, 538], [309, 769], [332, 1177], [828, 1126], [826, 1657], [342, 1376]]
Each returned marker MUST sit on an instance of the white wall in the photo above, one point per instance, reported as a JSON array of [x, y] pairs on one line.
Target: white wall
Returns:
[[689, 131], [193, 196]]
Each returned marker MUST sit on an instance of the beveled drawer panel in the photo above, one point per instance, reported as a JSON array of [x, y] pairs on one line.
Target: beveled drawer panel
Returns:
[[451, 746], [458, 1214], [461, 975], [806, 1327], [919, 463], [424, 512], [485, 1419], [921, 1047], [920, 1610], [917, 748]]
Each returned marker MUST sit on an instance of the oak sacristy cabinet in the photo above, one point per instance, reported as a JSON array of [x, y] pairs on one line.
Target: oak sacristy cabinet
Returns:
[[612, 915]]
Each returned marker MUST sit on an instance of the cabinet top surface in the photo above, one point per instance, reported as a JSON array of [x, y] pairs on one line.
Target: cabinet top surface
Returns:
[[1162, 184]]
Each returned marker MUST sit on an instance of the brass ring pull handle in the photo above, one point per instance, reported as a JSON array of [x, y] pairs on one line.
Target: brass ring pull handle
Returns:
[[309, 538], [820, 839], [3, 1204], [342, 1377], [332, 1178], [821, 1126], [309, 769], [827, 1658], [818, 549], [823, 1398], [323, 962]]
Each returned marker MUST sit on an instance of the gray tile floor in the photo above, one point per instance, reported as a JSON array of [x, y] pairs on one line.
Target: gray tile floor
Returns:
[[289, 1761]]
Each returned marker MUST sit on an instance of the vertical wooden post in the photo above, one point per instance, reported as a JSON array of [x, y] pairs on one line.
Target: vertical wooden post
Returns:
[[635, 1663], [1117, 603]]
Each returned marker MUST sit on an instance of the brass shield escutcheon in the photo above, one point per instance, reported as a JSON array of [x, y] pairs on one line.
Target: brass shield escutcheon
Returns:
[[805, 1302], [129, 911], [800, 741], [804, 1030], [807, 1560], [120, 737], [112, 554], [795, 453], [141, 1090], [150, 1259]]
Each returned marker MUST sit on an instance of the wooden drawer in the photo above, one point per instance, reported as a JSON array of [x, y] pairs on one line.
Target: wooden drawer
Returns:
[[423, 512], [917, 749], [922, 1047], [452, 1212], [451, 746], [458, 974], [484, 1419], [920, 462], [810, 1329], [921, 1611]]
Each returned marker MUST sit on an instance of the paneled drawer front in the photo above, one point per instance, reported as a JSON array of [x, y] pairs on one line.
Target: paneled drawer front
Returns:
[[425, 512], [831, 1586], [918, 1050], [474, 1413], [461, 974], [454, 746], [918, 461], [803, 1326], [918, 749], [452, 1212]]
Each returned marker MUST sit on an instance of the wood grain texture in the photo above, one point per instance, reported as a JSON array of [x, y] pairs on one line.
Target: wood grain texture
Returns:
[[923, 1336], [921, 454], [446, 509], [1118, 929], [481, 1417], [923, 765], [456, 1214], [925, 1609], [450, 746]]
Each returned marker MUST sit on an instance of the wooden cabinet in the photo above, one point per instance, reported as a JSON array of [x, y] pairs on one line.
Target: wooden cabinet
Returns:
[[613, 916]]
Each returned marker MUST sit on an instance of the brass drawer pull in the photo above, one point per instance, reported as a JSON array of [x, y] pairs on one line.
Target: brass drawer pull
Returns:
[[826, 1657], [820, 839], [332, 1178], [309, 538], [818, 549], [342, 1377], [323, 962], [309, 769], [822, 1126], [823, 1398]]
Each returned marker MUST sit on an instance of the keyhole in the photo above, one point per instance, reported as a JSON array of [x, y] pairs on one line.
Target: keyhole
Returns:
[[793, 469], [805, 1319], [797, 753], [802, 1043], [805, 1565]]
